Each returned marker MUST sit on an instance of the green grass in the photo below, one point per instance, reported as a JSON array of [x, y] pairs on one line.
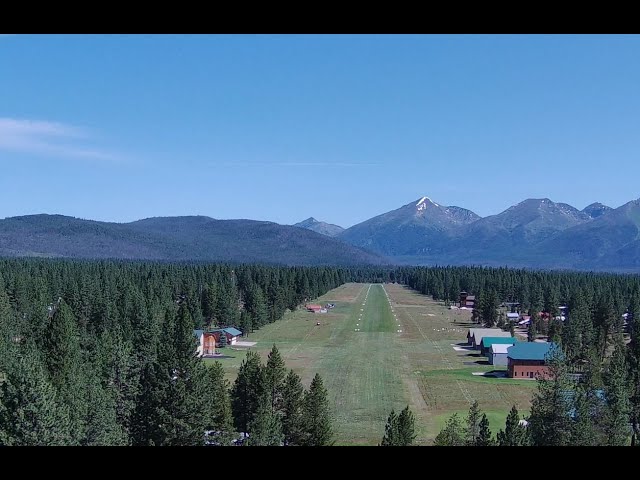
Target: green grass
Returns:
[[369, 368]]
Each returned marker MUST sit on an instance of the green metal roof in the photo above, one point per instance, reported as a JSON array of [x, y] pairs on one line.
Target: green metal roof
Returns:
[[230, 330], [488, 341], [529, 350], [233, 331]]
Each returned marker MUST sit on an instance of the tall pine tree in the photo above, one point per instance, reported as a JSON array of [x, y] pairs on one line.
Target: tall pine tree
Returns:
[[391, 435], [514, 434], [31, 412], [292, 403], [550, 421], [219, 419], [246, 392], [316, 415]]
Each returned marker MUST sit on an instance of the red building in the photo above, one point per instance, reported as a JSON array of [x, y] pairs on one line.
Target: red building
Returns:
[[528, 359], [313, 308], [466, 300]]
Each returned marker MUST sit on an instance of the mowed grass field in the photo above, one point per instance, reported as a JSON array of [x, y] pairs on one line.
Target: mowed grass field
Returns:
[[384, 347]]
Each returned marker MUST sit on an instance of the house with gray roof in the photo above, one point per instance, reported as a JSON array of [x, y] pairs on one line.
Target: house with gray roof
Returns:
[[475, 335]]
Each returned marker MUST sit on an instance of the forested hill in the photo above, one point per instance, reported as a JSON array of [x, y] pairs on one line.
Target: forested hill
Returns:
[[176, 238]]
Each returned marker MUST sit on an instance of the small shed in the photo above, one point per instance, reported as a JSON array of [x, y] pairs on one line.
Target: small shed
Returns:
[[498, 354], [313, 308], [231, 333]]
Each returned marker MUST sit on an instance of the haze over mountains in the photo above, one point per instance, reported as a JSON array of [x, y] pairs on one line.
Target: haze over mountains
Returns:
[[536, 233]]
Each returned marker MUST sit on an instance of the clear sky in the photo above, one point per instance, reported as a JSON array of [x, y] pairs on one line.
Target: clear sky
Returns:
[[342, 128]]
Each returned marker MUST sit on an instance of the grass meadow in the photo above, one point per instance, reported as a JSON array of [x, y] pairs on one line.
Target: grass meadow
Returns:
[[384, 347]]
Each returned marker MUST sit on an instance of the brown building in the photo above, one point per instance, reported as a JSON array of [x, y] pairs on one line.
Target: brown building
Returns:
[[206, 343], [467, 300], [528, 359]]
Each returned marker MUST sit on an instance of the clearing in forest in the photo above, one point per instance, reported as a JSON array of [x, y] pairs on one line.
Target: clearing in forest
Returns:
[[383, 347]]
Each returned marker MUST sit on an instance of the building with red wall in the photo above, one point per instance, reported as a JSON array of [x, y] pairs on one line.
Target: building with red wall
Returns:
[[528, 359]]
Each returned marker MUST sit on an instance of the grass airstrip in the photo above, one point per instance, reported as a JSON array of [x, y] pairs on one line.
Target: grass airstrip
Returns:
[[384, 347]]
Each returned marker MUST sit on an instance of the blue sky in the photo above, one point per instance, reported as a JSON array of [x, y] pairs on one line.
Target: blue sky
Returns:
[[342, 128]]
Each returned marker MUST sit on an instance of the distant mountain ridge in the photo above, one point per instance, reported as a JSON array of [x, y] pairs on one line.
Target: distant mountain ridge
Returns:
[[535, 233], [417, 227], [596, 209], [324, 228], [176, 238]]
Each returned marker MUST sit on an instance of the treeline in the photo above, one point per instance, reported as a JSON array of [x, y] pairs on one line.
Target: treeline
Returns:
[[103, 353], [597, 304], [592, 395]]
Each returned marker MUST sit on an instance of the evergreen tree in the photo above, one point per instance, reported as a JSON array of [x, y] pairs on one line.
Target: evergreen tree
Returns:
[[63, 359], [246, 392], [617, 400], [555, 331], [484, 435], [513, 434], [316, 417], [550, 421], [588, 406], [531, 331], [146, 416], [292, 402], [275, 373], [8, 329], [118, 370], [246, 323], [219, 419], [633, 319], [102, 423], [182, 376], [265, 428], [473, 424], [406, 427], [453, 434], [30, 411], [391, 434], [489, 308]]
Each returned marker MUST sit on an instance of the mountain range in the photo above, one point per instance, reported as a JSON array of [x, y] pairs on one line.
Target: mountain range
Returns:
[[177, 239], [536, 233]]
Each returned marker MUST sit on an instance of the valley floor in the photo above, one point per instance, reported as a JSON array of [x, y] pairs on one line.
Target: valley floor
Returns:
[[384, 347]]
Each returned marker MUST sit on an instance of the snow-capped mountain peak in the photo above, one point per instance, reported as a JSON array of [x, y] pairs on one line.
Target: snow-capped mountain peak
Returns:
[[422, 203]]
